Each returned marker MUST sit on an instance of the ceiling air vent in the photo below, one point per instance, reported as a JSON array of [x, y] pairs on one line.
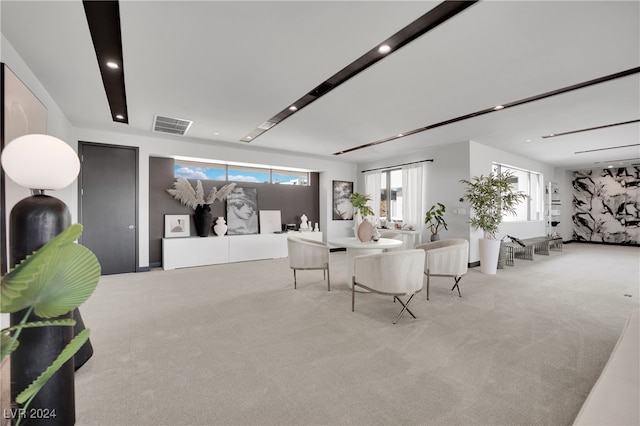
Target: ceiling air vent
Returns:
[[173, 126]]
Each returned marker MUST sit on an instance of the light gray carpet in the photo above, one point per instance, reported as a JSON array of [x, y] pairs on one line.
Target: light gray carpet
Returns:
[[236, 344]]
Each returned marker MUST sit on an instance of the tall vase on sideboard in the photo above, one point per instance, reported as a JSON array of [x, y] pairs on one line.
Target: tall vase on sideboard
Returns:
[[203, 219]]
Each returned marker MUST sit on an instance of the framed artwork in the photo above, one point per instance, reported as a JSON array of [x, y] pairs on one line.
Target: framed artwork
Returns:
[[22, 114], [270, 221], [342, 208], [242, 211], [177, 225]]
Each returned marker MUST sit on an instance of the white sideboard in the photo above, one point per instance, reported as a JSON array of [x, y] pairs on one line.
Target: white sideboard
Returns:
[[199, 251]]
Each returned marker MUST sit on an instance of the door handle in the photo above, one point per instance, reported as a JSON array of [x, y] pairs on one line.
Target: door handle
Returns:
[[131, 227]]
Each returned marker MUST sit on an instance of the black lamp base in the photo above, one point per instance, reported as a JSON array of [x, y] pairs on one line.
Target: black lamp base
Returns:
[[33, 222]]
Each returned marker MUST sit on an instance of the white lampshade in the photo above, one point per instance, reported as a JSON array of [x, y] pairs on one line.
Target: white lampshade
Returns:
[[40, 162]]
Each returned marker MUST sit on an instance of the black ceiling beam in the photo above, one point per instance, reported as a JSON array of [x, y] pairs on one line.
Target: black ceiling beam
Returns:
[[544, 95], [436, 16], [103, 18]]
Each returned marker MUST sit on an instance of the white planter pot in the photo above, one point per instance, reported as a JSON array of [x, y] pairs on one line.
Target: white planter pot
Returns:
[[489, 252]]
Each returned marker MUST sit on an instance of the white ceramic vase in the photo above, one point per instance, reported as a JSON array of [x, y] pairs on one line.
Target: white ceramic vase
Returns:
[[489, 252], [220, 228]]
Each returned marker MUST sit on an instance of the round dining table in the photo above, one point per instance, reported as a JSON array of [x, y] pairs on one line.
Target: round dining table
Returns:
[[355, 247]]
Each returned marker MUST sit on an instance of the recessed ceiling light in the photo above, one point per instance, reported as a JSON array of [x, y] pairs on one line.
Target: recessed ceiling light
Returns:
[[498, 107], [113, 65], [400, 135], [249, 137], [528, 140], [385, 48], [216, 133], [293, 108], [120, 117]]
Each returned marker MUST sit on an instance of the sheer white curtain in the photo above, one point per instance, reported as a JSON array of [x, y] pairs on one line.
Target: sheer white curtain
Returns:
[[372, 186], [413, 186]]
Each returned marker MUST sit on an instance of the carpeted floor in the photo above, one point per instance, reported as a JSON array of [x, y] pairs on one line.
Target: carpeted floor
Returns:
[[237, 345]]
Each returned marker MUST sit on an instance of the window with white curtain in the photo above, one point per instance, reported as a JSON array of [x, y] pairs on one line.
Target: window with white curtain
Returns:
[[397, 193], [529, 183]]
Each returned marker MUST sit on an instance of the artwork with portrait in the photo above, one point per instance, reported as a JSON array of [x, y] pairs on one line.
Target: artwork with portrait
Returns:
[[342, 207], [242, 211]]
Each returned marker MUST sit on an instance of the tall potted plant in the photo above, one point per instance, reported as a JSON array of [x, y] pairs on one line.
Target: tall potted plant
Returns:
[[491, 197], [434, 219]]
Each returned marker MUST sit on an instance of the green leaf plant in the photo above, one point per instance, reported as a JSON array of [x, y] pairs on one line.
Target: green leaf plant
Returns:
[[491, 197], [434, 218], [359, 202], [52, 281]]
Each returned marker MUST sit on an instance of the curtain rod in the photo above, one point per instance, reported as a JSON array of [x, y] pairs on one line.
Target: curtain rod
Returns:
[[398, 165]]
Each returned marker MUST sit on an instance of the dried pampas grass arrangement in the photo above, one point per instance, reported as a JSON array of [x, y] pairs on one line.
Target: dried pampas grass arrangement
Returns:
[[187, 195]]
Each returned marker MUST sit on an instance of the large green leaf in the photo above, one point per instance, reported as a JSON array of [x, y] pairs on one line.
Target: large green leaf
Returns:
[[55, 279], [70, 350], [7, 345], [10, 342]]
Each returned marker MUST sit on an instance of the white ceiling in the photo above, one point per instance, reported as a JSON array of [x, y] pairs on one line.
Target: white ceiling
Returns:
[[230, 66]]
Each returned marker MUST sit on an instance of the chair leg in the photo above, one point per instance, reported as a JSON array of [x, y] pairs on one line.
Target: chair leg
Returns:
[[405, 307], [328, 279], [457, 279], [427, 274], [295, 284], [353, 295]]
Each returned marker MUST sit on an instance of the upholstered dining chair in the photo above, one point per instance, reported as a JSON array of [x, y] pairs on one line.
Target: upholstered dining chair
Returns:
[[306, 255], [446, 258], [395, 273]]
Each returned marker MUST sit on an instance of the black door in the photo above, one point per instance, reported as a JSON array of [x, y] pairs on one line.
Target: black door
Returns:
[[108, 205]]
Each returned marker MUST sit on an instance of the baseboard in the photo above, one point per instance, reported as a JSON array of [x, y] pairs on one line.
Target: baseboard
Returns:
[[603, 243]]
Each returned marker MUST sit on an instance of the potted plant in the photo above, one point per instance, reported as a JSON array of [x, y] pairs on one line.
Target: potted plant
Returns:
[[359, 203], [194, 198], [490, 198], [434, 219], [361, 211], [53, 281]]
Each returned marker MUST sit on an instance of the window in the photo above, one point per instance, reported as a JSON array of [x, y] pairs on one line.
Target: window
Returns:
[[249, 174], [529, 183], [391, 195], [285, 177], [203, 171], [213, 171]]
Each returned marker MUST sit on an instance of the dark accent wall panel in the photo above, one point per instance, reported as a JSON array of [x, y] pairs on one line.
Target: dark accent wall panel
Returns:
[[292, 201], [606, 205]]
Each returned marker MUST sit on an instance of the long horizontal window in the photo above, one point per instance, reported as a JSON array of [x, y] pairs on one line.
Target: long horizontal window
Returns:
[[529, 183], [212, 171]]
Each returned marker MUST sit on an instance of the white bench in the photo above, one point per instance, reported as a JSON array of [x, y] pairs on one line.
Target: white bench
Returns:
[[615, 398]]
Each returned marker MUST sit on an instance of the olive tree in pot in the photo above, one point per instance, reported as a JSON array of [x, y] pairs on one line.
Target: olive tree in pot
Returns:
[[491, 197], [434, 219]]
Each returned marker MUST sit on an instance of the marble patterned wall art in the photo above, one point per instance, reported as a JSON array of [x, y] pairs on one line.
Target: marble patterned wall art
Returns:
[[606, 205]]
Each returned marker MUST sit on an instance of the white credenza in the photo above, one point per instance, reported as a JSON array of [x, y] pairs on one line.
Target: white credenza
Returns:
[[199, 251], [308, 235]]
